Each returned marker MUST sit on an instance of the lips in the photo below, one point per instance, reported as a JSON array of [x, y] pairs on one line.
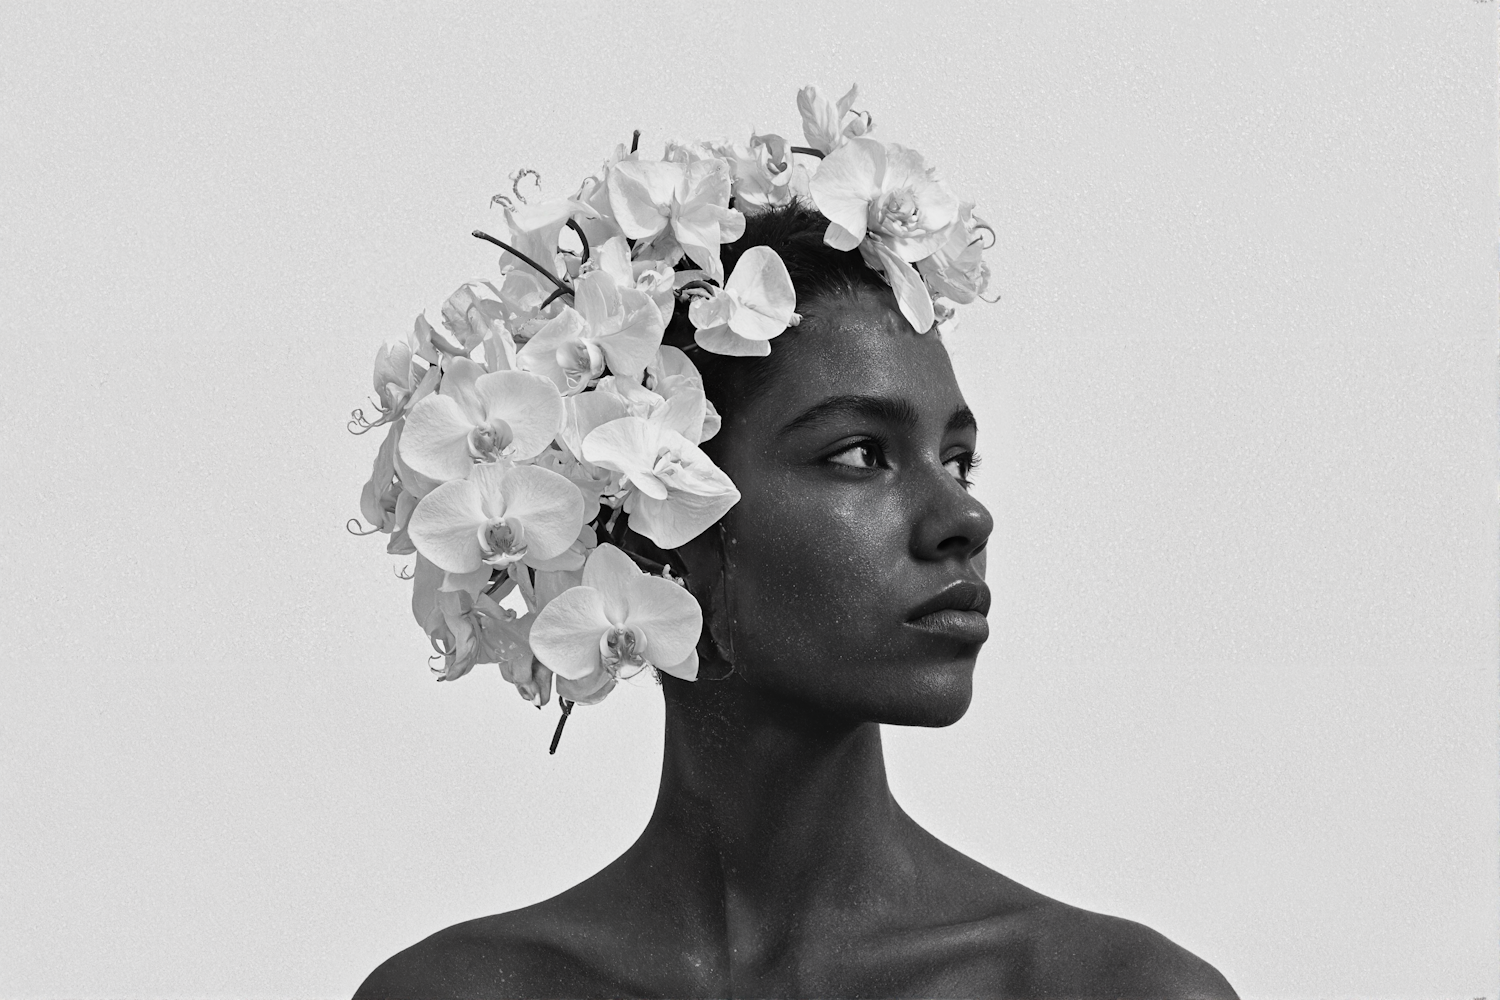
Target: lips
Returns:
[[965, 595], [956, 612]]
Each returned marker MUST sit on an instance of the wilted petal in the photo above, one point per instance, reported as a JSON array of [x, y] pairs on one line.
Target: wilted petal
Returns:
[[566, 633], [445, 526], [435, 441]]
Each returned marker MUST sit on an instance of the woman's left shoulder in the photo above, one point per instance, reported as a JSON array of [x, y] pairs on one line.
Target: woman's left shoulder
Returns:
[[1079, 953]]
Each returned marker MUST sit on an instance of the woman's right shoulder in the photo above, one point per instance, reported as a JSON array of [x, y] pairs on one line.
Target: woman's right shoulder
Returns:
[[524, 953]]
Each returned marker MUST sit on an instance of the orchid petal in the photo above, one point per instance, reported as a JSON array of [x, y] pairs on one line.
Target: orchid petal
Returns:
[[681, 517], [610, 572], [668, 614], [766, 294], [614, 260], [587, 410], [639, 194], [633, 346], [686, 670], [589, 690], [911, 292], [445, 526], [469, 583], [566, 633], [846, 182], [626, 445], [435, 440], [529, 403], [722, 340], [684, 413], [548, 506], [459, 375], [539, 355]]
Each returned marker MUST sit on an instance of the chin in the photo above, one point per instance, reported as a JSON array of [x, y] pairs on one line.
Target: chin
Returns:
[[929, 694]]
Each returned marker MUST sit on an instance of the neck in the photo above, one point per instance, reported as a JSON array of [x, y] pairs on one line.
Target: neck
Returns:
[[774, 815]]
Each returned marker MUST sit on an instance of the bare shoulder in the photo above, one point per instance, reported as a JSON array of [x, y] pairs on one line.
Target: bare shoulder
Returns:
[[1077, 953], [518, 954]]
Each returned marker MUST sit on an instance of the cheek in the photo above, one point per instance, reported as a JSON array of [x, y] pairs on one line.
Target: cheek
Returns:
[[814, 575]]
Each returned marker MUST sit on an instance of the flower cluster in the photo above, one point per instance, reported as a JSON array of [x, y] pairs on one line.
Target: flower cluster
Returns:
[[533, 415]]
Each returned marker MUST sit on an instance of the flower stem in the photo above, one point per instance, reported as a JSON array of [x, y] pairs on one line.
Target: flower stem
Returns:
[[478, 234], [567, 707], [573, 225], [635, 140], [808, 150]]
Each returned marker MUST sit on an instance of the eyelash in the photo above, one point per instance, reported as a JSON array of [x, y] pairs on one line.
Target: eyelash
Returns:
[[967, 461]]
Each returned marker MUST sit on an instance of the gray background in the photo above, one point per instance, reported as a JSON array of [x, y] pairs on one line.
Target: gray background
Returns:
[[1237, 413]]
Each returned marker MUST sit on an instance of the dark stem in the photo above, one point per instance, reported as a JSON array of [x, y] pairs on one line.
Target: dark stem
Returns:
[[573, 225], [649, 565], [535, 266], [567, 707], [559, 293], [635, 140], [808, 150]]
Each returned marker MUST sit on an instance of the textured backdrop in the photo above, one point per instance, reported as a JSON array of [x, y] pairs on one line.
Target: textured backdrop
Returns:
[[1237, 412]]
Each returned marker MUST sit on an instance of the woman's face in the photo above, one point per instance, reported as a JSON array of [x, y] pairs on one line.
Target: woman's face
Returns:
[[856, 552]]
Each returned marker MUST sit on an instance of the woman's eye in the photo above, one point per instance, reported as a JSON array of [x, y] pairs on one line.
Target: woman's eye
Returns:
[[959, 467], [865, 455]]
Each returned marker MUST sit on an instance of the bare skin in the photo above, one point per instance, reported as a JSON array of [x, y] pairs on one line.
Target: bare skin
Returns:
[[776, 862]]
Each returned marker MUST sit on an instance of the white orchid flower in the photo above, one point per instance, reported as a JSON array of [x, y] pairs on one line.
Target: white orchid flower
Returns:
[[498, 516], [688, 200], [654, 277], [755, 305], [479, 416], [608, 325], [673, 490], [887, 203], [765, 174], [617, 623], [823, 122]]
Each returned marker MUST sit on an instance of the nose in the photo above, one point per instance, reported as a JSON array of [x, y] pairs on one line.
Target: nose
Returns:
[[951, 523]]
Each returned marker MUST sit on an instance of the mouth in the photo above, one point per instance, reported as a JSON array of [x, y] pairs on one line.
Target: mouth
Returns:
[[958, 611]]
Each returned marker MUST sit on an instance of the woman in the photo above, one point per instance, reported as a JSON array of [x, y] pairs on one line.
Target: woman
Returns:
[[844, 590]]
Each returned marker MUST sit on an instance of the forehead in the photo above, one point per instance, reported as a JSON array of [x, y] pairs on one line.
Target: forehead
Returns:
[[859, 346]]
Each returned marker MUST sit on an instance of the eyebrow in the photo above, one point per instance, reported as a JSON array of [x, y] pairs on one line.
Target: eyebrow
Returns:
[[900, 412]]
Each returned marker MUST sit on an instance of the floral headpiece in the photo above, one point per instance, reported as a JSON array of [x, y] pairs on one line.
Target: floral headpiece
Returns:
[[534, 414]]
